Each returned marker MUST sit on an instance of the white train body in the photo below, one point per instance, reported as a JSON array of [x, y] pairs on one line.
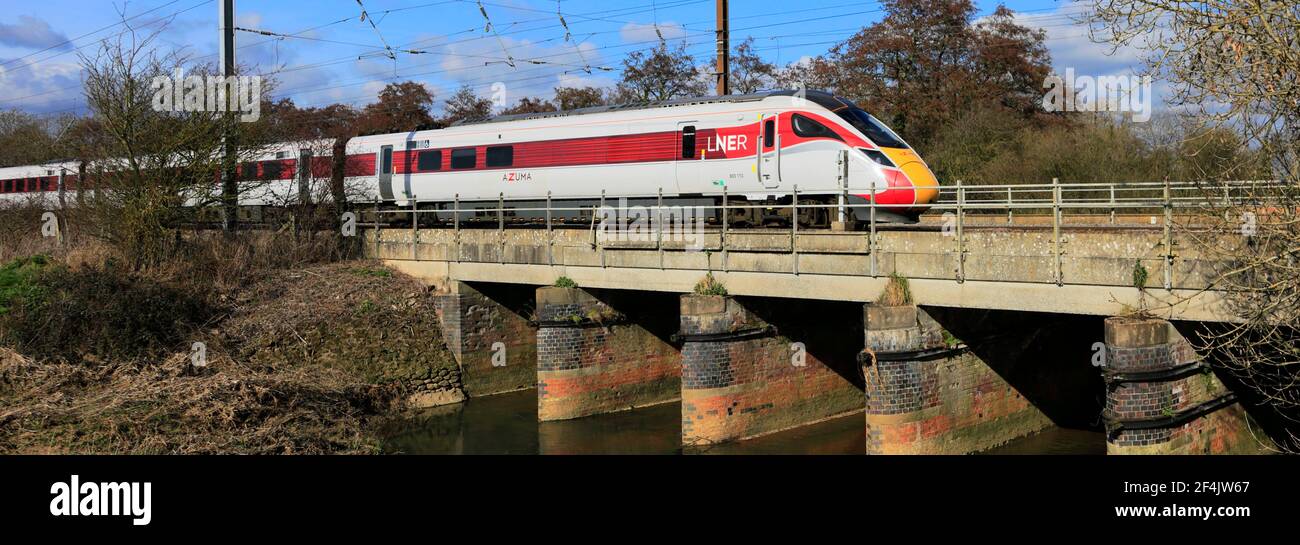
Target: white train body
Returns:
[[762, 147]]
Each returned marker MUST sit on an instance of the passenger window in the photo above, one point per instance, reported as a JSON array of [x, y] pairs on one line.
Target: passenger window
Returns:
[[464, 158], [688, 142], [809, 128], [429, 160], [271, 170], [500, 156], [769, 133]]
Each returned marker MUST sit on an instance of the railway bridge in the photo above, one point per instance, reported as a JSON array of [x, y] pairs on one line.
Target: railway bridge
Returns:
[[1013, 308]]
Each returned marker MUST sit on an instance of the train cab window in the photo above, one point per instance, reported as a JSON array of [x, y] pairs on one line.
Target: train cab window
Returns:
[[271, 170], [429, 160], [500, 156], [688, 142], [464, 158], [876, 131], [769, 133], [386, 160], [809, 128]]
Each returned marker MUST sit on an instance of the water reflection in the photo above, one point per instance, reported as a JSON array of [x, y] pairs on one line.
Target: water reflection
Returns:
[[1056, 441], [507, 424]]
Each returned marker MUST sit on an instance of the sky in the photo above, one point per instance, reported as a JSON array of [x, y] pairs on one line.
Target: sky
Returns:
[[334, 56]]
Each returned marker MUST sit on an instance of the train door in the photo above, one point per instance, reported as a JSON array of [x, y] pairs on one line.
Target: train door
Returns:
[[407, 161], [688, 160], [386, 173], [769, 152]]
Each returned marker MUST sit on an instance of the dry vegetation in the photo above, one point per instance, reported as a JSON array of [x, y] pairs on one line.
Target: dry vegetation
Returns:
[[303, 350]]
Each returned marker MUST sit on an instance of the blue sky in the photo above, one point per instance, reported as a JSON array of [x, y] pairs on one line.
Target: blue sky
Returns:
[[339, 58]]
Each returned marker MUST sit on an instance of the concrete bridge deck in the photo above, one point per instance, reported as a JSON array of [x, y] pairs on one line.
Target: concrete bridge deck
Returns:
[[1082, 270]]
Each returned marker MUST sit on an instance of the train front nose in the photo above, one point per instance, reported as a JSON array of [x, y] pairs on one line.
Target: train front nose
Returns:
[[924, 184]]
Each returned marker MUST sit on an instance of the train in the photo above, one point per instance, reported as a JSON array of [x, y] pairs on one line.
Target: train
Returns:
[[766, 149]]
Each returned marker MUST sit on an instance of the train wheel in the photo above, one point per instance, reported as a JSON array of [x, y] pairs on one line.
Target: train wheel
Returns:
[[812, 216]]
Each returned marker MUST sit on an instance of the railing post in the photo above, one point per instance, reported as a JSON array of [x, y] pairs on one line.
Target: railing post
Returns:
[[871, 237], [550, 238], [961, 233], [1112, 204], [794, 228], [1169, 237], [594, 238], [1056, 231], [455, 222], [1009, 208], [726, 221], [376, 227], [415, 228], [659, 227], [501, 227], [843, 197]]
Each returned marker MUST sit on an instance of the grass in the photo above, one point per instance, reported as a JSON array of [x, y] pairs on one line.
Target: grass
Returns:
[[897, 292], [304, 354], [18, 280], [710, 286], [373, 272]]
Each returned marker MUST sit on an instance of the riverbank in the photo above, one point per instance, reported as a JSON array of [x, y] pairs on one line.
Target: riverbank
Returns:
[[267, 346]]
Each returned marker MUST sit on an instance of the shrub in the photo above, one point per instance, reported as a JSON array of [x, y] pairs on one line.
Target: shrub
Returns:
[[18, 280], [897, 292], [710, 286], [105, 311], [565, 282], [1139, 275]]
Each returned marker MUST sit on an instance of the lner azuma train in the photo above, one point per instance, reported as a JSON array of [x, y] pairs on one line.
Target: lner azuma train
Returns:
[[759, 148]]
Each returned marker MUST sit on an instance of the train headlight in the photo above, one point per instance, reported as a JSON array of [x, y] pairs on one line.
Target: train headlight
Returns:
[[879, 157]]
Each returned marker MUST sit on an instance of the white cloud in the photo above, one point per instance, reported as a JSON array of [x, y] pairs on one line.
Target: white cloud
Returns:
[[481, 63], [44, 87], [1071, 47], [645, 32], [249, 19]]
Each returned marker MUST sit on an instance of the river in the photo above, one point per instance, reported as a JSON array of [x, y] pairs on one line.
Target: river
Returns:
[[507, 424]]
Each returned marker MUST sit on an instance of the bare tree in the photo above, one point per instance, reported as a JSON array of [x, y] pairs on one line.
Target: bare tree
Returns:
[[1235, 64], [749, 72], [150, 167]]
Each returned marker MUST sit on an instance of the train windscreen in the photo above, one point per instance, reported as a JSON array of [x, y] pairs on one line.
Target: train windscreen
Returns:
[[872, 127]]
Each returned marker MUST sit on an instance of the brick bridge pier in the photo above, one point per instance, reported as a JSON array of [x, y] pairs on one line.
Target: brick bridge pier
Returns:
[[993, 347]]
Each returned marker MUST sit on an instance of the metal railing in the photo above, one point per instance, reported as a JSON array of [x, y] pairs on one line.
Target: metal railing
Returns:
[[957, 203]]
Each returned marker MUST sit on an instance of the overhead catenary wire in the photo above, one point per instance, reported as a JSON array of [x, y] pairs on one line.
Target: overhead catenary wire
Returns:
[[542, 59]]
